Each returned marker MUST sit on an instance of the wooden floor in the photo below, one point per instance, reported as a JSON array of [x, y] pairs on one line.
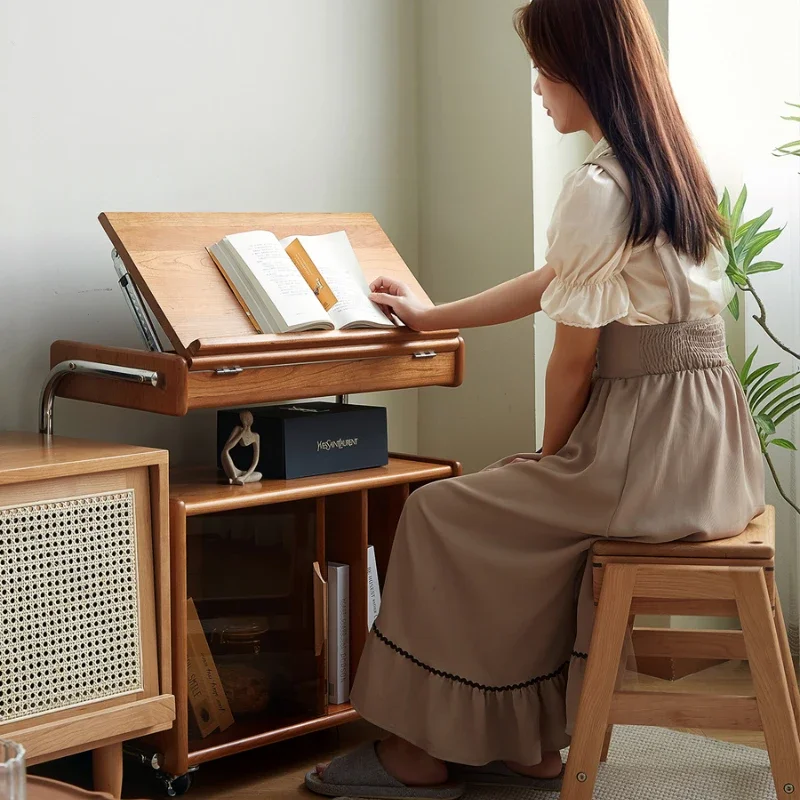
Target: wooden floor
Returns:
[[276, 772]]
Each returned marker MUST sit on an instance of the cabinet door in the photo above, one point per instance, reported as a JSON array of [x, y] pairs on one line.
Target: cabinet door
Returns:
[[77, 607], [250, 576]]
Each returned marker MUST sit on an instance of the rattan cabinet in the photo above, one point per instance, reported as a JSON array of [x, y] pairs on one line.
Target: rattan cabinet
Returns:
[[84, 598]]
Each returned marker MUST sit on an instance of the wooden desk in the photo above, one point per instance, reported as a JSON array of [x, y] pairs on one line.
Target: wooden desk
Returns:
[[218, 360]]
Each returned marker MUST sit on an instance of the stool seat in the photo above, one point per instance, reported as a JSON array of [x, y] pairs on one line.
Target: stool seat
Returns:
[[756, 542]]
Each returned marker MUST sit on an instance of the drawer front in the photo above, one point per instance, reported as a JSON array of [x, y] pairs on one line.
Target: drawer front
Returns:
[[322, 379]]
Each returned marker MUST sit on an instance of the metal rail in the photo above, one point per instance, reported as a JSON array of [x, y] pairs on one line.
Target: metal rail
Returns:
[[77, 367], [137, 306]]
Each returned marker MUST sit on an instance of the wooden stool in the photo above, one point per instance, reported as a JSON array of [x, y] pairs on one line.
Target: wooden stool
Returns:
[[726, 578]]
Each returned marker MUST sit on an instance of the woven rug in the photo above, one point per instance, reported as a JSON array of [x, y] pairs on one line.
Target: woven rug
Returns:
[[658, 764]]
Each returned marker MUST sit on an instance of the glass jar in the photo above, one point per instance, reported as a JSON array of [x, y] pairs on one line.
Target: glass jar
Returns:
[[236, 645]]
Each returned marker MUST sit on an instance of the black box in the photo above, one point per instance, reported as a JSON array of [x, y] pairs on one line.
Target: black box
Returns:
[[298, 440]]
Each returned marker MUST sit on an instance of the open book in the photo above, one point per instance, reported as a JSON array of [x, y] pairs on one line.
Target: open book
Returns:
[[298, 283]]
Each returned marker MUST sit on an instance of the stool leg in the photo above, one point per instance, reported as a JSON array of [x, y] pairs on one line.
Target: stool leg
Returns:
[[617, 686], [602, 666], [606, 744], [788, 662], [769, 677], [107, 769]]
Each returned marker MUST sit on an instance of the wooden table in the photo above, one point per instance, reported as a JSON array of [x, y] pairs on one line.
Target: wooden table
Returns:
[[216, 359]]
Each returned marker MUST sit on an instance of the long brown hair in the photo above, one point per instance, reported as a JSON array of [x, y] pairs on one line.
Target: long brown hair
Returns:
[[610, 52]]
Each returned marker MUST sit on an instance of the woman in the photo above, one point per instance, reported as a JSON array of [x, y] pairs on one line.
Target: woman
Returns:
[[476, 658]]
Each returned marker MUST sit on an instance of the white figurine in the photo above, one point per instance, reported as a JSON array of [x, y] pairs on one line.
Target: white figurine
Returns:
[[242, 434]]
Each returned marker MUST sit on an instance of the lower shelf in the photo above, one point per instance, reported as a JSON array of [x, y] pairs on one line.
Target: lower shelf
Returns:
[[253, 559], [249, 734]]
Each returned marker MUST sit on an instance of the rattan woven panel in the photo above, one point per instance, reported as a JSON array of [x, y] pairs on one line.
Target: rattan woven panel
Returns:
[[69, 606]]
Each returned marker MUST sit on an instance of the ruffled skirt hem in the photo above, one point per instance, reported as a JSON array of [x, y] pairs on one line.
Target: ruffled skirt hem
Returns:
[[458, 720]]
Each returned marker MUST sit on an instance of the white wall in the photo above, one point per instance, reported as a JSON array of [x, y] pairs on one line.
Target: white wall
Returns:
[[475, 217], [734, 113], [257, 105]]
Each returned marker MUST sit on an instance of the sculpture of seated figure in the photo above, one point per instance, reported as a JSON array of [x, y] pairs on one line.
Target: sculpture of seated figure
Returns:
[[245, 435]]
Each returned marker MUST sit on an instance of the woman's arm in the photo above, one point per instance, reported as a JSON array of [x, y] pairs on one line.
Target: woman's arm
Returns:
[[514, 299], [567, 383]]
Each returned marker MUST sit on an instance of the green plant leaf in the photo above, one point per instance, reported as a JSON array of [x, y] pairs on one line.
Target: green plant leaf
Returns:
[[744, 372], [755, 386], [764, 266], [783, 401], [733, 307], [748, 230], [758, 245], [785, 443], [765, 423], [756, 377], [724, 209], [725, 204], [738, 278], [769, 388], [736, 214], [787, 413]]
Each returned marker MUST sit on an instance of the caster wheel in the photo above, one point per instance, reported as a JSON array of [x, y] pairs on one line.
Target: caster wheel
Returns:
[[177, 785]]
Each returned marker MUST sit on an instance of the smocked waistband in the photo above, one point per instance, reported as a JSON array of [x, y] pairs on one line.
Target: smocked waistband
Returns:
[[629, 350]]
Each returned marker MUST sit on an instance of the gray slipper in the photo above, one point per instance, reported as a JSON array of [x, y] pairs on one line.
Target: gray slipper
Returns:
[[361, 774], [498, 774]]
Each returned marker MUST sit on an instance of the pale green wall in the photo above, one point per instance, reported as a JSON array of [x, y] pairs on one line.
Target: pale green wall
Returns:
[[475, 206]]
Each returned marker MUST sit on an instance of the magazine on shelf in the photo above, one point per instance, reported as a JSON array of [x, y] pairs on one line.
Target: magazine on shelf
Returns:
[[338, 633]]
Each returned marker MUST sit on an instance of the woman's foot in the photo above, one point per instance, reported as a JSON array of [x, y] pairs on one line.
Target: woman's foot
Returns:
[[549, 767], [407, 764]]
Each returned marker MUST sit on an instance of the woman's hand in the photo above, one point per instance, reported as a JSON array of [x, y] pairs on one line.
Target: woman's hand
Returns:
[[514, 299], [395, 297]]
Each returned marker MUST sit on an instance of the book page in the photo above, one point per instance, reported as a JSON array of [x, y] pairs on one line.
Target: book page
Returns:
[[242, 289], [278, 278], [336, 261]]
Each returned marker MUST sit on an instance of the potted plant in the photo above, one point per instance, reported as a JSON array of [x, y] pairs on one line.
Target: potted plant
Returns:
[[772, 399]]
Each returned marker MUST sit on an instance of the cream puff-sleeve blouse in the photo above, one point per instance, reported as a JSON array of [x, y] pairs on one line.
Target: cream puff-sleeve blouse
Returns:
[[600, 278]]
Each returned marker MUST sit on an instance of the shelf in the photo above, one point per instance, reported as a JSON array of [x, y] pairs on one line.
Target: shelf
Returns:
[[328, 518], [250, 734], [203, 491], [335, 711]]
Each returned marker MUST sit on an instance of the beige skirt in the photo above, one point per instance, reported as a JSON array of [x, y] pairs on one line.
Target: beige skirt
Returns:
[[486, 617]]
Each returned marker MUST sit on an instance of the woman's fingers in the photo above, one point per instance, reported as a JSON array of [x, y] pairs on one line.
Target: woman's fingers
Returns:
[[390, 300], [389, 286], [379, 284]]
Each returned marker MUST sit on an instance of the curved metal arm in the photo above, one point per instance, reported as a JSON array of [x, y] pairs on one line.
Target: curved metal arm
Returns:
[[84, 368]]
